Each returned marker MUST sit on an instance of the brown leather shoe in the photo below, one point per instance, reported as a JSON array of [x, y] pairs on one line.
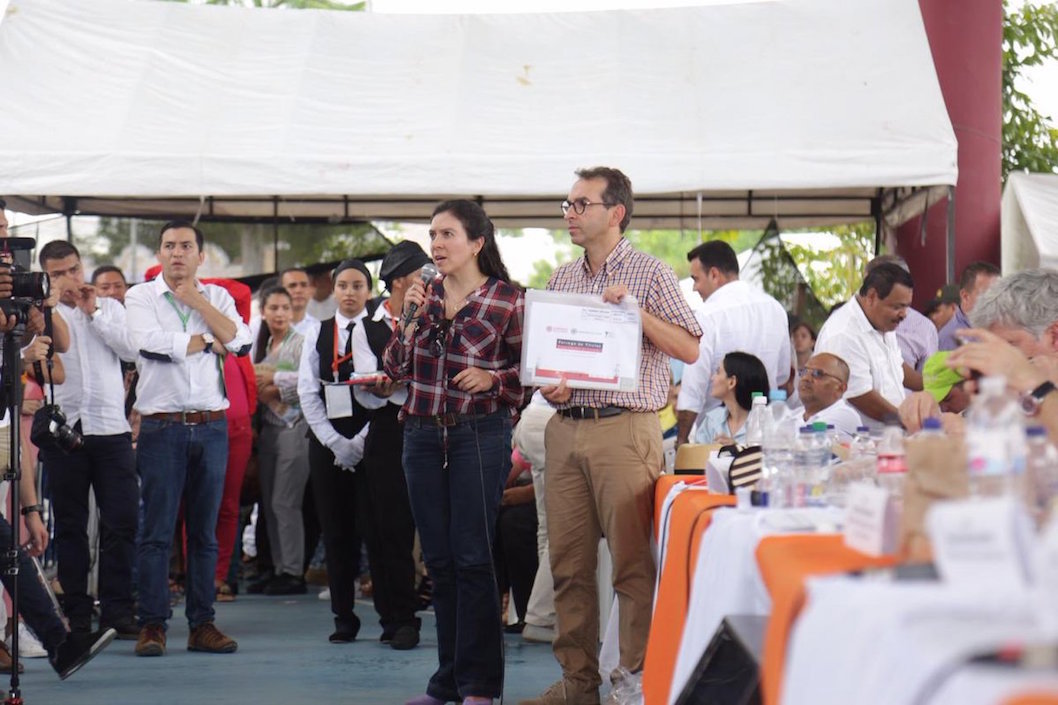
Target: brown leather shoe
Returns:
[[206, 637], [5, 660], [151, 641], [564, 692]]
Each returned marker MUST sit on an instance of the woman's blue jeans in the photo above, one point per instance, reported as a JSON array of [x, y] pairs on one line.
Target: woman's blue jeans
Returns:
[[455, 510]]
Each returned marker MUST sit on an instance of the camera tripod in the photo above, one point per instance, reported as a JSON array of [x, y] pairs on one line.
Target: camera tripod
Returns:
[[12, 395]]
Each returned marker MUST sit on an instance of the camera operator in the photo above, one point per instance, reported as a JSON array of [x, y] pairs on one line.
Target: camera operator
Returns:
[[67, 651], [92, 400]]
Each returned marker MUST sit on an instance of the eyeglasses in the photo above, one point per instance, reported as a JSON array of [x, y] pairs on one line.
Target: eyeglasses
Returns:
[[816, 373], [580, 204]]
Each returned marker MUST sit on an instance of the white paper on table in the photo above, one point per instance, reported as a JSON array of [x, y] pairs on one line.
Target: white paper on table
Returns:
[[716, 469], [594, 345], [982, 541], [870, 520]]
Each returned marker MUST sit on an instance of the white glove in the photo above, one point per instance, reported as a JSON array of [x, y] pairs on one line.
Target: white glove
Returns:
[[348, 452]]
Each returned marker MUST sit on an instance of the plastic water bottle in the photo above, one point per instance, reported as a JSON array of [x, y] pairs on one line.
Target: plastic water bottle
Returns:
[[892, 462], [931, 428], [863, 445], [817, 469], [755, 420], [995, 440], [1041, 472], [777, 445]]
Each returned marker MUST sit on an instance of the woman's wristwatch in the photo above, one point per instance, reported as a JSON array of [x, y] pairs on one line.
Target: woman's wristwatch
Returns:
[[25, 511]]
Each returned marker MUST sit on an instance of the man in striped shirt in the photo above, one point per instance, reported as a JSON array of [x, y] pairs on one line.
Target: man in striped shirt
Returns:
[[604, 447]]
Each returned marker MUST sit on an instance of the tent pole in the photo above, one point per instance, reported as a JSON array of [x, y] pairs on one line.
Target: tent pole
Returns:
[[950, 236], [275, 233]]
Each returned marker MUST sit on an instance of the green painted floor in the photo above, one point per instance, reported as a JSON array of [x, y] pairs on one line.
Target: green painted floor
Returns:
[[283, 658]]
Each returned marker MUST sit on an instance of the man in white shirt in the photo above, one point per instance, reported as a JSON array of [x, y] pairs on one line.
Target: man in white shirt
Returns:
[[182, 330], [322, 304], [736, 317], [863, 334], [824, 379], [916, 335], [92, 397]]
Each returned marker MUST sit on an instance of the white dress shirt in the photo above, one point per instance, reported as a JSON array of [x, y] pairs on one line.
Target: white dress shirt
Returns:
[[917, 337], [307, 323], [840, 414], [312, 404], [873, 357], [736, 317], [191, 382], [364, 361], [94, 390], [322, 310]]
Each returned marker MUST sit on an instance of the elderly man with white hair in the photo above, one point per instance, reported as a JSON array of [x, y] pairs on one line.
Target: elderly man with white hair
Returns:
[[1022, 310]]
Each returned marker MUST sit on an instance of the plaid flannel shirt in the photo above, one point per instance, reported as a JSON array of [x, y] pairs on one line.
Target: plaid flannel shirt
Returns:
[[654, 285], [486, 333]]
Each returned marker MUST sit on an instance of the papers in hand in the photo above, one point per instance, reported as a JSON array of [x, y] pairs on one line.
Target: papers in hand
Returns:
[[592, 344]]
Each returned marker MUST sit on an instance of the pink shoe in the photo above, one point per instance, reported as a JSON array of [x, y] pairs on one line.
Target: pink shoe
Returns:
[[425, 700]]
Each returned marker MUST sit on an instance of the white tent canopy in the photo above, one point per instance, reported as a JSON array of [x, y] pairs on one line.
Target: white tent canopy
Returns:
[[811, 111], [1029, 222]]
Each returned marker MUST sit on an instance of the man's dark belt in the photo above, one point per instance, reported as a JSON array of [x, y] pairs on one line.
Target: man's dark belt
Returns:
[[188, 418], [592, 412]]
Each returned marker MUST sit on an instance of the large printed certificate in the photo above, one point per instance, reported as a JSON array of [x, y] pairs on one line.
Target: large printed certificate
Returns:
[[594, 345]]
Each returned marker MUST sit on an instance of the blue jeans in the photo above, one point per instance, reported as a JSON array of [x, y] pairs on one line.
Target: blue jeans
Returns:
[[455, 511], [179, 462]]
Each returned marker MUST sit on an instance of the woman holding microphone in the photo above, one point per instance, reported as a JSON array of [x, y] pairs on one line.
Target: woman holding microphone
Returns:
[[458, 345]]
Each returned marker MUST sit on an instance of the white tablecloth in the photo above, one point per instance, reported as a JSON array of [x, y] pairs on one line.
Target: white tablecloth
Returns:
[[727, 579], [901, 643]]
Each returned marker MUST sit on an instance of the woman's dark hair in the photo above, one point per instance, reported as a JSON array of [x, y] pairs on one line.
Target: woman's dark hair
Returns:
[[750, 376], [802, 324], [261, 348], [478, 226]]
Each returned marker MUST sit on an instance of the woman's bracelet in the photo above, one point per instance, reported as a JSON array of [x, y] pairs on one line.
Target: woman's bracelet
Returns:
[[26, 511]]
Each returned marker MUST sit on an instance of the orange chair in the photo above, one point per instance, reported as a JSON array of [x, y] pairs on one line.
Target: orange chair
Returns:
[[1034, 698], [785, 562], [688, 519]]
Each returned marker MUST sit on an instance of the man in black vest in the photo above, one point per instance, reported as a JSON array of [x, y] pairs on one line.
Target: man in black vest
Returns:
[[390, 528], [339, 426]]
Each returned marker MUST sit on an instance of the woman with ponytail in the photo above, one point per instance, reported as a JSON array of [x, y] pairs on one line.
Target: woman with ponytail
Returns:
[[458, 345]]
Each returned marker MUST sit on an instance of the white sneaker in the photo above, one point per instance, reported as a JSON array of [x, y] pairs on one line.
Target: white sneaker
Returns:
[[325, 594], [29, 646], [538, 635]]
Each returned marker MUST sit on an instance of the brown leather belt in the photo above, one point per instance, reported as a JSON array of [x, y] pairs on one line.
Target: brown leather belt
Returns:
[[188, 418], [591, 412]]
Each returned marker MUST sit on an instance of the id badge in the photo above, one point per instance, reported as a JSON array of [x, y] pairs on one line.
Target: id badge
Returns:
[[339, 400]]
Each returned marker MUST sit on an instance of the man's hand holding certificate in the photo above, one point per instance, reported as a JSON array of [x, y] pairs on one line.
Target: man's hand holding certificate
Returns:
[[580, 338]]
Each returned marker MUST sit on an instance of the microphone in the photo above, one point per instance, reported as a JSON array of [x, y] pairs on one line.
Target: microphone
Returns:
[[428, 273]]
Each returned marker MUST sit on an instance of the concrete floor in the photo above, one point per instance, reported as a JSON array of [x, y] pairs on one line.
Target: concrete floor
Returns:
[[283, 658]]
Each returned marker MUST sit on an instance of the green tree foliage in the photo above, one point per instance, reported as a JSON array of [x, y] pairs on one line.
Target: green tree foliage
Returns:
[[669, 246], [1030, 38]]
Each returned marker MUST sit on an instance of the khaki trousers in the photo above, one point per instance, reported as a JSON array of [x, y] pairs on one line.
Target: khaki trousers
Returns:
[[600, 482]]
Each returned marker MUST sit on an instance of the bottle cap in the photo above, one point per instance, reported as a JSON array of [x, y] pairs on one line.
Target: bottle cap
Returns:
[[819, 427], [777, 395], [931, 424], [1035, 431]]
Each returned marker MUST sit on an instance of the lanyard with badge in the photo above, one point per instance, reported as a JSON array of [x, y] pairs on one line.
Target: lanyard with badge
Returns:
[[184, 318], [337, 396]]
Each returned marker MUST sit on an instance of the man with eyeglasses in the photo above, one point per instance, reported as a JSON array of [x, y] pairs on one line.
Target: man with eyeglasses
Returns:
[[603, 448], [737, 316], [823, 381]]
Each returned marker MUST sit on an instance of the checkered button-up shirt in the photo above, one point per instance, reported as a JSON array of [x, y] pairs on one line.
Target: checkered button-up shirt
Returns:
[[654, 285], [486, 333]]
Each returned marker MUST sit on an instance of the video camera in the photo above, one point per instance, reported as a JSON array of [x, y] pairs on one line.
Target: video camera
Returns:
[[27, 288]]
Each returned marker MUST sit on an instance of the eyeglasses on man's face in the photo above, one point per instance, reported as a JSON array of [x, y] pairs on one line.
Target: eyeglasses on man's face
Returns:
[[816, 373], [581, 204]]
